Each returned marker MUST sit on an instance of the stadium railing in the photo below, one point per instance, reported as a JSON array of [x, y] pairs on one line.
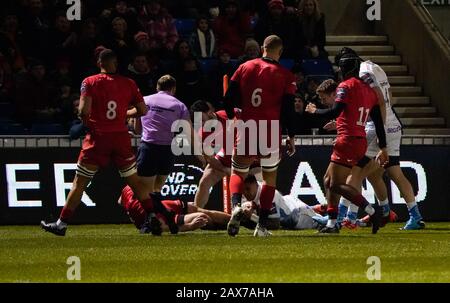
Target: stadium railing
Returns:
[[64, 142]]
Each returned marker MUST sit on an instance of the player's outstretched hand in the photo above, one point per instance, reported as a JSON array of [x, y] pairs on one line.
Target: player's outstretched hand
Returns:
[[202, 160], [330, 126], [382, 157], [290, 143], [311, 108]]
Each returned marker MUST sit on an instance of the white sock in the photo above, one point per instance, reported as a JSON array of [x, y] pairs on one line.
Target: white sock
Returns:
[[331, 223], [60, 224], [354, 208], [345, 202], [369, 210], [383, 202], [411, 204]]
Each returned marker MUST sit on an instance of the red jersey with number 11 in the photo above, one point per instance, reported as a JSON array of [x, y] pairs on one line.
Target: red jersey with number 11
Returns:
[[111, 95], [359, 99], [262, 84]]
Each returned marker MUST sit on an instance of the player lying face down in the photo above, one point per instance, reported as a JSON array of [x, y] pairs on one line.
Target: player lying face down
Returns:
[[188, 216]]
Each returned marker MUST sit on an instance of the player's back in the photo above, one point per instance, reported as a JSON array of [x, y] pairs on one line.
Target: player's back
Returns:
[[111, 95], [359, 99], [163, 110], [375, 76], [262, 83]]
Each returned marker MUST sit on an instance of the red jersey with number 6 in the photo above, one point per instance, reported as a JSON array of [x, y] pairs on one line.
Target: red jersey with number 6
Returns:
[[263, 83], [111, 95], [359, 99]]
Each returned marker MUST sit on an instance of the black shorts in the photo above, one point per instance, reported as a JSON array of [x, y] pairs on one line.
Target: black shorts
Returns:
[[153, 160]]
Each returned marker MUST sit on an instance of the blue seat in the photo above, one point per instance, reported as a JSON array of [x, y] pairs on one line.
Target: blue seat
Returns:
[[6, 110], [321, 67], [287, 63], [47, 129], [12, 129], [234, 63], [207, 65], [185, 27]]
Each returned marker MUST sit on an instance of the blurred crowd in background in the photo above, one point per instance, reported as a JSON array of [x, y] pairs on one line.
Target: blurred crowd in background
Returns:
[[44, 56]]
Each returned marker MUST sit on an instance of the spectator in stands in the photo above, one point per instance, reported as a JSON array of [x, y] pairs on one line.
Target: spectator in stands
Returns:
[[121, 9], [35, 30], [6, 81], [232, 27], [35, 97], [121, 43], [299, 78], [191, 83], [143, 42], [312, 25], [278, 22], [87, 43], [224, 67], [203, 40], [63, 39], [252, 51], [312, 97], [159, 25], [11, 42], [140, 71]]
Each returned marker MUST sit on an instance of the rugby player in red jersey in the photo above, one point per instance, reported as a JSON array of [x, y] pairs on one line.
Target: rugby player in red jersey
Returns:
[[107, 100], [187, 216], [355, 101], [265, 90], [212, 175]]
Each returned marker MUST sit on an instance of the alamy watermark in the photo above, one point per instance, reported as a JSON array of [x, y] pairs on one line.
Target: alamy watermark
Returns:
[[374, 271], [74, 271], [74, 11], [248, 138], [374, 11]]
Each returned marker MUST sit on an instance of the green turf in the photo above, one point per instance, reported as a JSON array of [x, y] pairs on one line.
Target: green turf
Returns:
[[117, 253]]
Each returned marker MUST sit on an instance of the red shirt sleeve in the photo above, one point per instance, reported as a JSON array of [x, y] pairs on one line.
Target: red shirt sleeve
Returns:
[[237, 75], [342, 93], [86, 89]]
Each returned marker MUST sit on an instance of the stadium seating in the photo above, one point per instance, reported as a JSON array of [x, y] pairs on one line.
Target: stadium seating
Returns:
[[12, 129], [185, 27], [414, 109], [207, 65], [47, 129], [6, 110], [287, 63], [317, 68]]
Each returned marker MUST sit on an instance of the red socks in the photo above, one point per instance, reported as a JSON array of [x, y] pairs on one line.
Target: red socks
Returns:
[[236, 184], [66, 214], [266, 198]]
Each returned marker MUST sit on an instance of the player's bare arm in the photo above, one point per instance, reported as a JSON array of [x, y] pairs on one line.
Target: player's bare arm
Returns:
[[382, 157], [84, 108]]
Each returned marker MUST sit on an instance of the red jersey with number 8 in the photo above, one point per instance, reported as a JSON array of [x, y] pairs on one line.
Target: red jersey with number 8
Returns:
[[263, 83], [359, 99], [111, 95]]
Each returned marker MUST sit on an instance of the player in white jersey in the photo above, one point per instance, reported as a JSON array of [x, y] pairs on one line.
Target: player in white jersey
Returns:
[[287, 211], [374, 75]]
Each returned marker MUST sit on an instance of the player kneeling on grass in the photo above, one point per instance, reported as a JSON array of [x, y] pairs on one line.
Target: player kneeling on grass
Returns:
[[287, 211], [187, 216]]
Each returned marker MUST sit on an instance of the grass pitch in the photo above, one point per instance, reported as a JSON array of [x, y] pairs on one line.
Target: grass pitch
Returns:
[[117, 253]]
